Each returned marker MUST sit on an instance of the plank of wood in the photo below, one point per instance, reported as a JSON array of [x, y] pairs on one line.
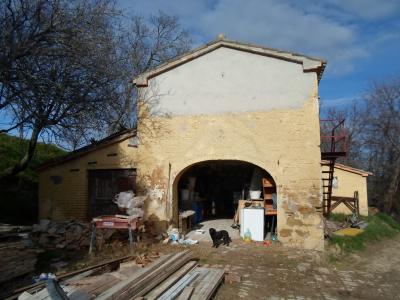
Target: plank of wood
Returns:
[[205, 286], [146, 279], [186, 293], [162, 274], [124, 285], [62, 277], [171, 280], [178, 287]]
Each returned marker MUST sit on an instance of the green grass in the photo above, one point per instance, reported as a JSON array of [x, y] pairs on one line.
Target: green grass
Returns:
[[338, 217], [380, 226]]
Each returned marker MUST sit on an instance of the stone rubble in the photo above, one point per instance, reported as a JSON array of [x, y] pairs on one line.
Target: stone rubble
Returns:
[[69, 235]]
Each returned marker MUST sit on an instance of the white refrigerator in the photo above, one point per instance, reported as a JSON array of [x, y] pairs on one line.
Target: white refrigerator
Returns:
[[252, 218]]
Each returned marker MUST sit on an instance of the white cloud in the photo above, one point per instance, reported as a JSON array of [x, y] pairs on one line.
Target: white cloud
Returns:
[[370, 9], [325, 29]]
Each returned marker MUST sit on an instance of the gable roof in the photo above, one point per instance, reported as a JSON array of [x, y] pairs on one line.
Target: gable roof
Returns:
[[105, 142], [310, 64], [351, 169]]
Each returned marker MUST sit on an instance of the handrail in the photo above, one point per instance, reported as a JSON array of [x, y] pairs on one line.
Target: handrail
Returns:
[[337, 138]]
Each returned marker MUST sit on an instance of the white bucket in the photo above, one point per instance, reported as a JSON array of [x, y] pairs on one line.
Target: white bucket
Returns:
[[255, 194]]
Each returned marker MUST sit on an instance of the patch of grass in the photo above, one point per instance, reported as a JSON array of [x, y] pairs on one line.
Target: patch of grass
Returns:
[[379, 226], [388, 220], [338, 217]]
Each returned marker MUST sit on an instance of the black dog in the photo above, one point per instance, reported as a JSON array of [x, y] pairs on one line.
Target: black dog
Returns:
[[219, 236]]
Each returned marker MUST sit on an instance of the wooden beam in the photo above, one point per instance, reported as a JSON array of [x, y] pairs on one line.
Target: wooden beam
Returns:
[[160, 289]]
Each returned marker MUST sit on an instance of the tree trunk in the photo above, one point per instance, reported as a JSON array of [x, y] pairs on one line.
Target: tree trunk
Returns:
[[22, 164], [390, 195]]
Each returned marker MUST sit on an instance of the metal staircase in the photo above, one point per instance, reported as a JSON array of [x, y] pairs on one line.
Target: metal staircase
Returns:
[[333, 146]]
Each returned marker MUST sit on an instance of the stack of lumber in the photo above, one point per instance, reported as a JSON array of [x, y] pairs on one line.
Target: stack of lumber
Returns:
[[172, 276], [16, 258], [17, 254]]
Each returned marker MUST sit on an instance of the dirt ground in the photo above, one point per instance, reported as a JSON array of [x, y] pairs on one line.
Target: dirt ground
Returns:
[[276, 272]]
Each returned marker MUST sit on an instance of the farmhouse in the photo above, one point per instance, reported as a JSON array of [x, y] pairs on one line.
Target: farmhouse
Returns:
[[214, 124]]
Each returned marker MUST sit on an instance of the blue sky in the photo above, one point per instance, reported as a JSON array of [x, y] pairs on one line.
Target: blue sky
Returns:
[[360, 39]]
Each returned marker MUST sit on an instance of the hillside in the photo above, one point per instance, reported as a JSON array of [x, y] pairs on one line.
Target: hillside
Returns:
[[11, 149], [19, 196]]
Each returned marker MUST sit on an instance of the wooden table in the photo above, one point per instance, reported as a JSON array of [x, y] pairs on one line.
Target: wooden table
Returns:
[[185, 221], [114, 222]]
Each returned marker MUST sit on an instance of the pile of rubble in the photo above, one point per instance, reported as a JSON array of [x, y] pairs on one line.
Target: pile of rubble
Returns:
[[70, 235]]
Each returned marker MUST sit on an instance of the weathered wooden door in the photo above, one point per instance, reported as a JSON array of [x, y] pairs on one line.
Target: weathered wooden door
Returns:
[[104, 185]]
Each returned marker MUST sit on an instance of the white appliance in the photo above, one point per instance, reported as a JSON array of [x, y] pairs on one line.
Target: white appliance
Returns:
[[252, 218]]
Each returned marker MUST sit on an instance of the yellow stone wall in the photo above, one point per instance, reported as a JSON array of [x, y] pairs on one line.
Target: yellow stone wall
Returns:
[[226, 105], [283, 142], [69, 199]]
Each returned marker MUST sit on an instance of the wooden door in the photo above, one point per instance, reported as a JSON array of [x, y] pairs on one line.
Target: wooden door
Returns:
[[104, 185]]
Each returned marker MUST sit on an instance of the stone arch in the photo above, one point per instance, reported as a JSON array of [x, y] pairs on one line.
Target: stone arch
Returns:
[[178, 172]]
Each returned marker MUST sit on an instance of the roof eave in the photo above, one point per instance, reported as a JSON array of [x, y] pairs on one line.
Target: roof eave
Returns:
[[90, 148], [310, 64]]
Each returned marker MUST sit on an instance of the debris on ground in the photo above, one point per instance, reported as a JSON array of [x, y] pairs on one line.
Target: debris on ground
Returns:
[[168, 277], [231, 276], [331, 226], [130, 204], [44, 277], [348, 232], [17, 257], [71, 235]]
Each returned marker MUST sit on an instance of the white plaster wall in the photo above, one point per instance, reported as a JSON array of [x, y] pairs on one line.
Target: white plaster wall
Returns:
[[228, 80]]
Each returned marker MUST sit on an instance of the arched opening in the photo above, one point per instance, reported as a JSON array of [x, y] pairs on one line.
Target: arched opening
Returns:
[[217, 189]]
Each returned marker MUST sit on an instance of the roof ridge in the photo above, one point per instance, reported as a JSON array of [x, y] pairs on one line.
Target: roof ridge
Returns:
[[310, 64]]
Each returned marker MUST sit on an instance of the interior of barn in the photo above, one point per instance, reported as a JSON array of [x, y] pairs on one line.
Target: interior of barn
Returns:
[[220, 189]]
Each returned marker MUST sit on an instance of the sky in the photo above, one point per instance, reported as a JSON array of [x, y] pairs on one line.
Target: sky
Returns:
[[360, 39]]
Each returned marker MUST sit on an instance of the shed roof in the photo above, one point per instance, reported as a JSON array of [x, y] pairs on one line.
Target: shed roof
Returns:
[[105, 142], [310, 64], [352, 170]]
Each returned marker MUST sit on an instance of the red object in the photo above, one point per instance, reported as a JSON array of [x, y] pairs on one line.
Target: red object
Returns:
[[116, 222], [333, 138], [267, 243]]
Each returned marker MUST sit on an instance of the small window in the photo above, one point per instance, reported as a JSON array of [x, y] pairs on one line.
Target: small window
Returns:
[[56, 179]]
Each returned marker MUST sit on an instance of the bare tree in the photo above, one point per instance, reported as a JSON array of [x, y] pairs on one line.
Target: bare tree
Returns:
[[382, 141], [66, 68], [373, 124], [144, 44], [354, 122]]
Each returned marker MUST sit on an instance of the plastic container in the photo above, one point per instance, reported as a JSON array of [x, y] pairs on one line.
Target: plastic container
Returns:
[[255, 194], [247, 236]]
